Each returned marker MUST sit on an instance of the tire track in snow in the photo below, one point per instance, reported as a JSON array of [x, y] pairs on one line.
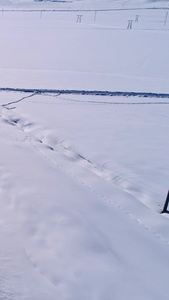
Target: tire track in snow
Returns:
[[94, 102], [17, 101]]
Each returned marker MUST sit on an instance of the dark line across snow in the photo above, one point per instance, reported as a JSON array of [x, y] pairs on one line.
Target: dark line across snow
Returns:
[[83, 10], [88, 92]]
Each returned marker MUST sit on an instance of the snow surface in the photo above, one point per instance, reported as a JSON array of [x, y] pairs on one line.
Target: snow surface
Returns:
[[84, 177]]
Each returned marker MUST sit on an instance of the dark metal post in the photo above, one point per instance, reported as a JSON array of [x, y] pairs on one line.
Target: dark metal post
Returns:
[[166, 204]]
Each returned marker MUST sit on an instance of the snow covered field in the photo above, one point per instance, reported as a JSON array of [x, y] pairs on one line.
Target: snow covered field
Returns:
[[83, 176], [49, 49]]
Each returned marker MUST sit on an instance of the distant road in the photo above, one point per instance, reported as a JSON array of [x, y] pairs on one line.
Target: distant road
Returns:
[[87, 92], [82, 10]]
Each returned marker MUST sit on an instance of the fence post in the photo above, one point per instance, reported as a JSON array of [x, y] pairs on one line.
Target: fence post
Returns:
[[137, 17], [130, 22], [79, 18], [95, 15], [166, 204], [166, 16]]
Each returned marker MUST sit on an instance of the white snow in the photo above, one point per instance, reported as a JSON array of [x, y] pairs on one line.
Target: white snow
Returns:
[[83, 178]]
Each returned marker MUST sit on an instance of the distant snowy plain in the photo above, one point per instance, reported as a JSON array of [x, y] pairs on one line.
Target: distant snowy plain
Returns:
[[84, 177]]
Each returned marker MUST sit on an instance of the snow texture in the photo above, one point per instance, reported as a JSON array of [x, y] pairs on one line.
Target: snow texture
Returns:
[[84, 150]]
